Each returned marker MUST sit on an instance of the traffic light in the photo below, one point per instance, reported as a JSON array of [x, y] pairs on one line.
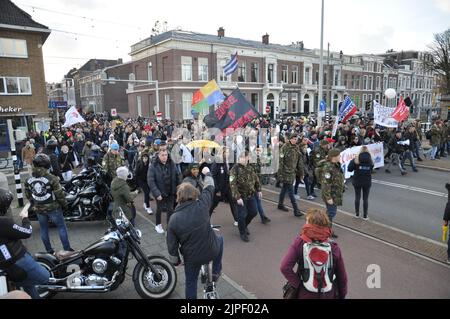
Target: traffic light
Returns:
[[368, 103]]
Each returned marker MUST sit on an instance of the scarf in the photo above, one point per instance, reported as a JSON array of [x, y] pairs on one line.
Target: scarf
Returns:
[[312, 232]]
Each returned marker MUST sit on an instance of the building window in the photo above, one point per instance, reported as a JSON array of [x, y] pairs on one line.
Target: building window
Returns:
[[370, 83], [284, 102], [385, 83], [167, 106], [357, 87], [365, 82], [15, 86], [254, 74], [317, 78], [294, 77], [377, 83], [346, 80], [139, 105], [222, 77], [364, 98], [99, 89], [270, 69], [284, 74], [13, 48], [307, 76], [325, 78], [337, 74], [150, 71], [294, 102], [187, 106], [255, 100], [186, 68], [242, 72], [203, 69], [305, 108]]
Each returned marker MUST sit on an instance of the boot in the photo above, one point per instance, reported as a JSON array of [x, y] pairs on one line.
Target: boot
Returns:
[[283, 208]]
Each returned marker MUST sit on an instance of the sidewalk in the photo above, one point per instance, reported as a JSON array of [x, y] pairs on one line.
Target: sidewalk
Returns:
[[83, 234]]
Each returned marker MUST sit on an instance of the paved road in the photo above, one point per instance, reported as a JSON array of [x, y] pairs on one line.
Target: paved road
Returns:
[[413, 203]]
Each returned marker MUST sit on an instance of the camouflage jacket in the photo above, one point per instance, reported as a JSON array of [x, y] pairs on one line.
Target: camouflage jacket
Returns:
[[244, 182], [332, 181], [435, 135], [291, 163], [111, 163], [44, 191], [318, 155]]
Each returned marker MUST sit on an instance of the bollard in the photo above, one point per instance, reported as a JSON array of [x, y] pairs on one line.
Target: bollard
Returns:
[[17, 179]]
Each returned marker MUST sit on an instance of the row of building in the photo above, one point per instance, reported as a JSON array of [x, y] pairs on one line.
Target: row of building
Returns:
[[165, 70]]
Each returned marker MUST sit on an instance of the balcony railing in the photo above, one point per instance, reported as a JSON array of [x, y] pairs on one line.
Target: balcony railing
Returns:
[[273, 86]]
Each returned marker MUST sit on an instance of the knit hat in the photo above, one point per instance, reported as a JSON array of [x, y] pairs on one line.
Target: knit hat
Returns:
[[122, 172], [114, 147], [333, 153], [293, 135]]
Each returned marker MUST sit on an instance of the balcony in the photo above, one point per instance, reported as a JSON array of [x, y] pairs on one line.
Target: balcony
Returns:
[[225, 85], [273, 86], [310, 87], [339, 87]]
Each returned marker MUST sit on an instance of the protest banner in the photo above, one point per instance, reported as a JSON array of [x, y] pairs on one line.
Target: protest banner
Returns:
[[376, 150]]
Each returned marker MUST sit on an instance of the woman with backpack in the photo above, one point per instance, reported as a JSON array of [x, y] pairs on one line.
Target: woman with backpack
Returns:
[[313, 247], [362, 165]]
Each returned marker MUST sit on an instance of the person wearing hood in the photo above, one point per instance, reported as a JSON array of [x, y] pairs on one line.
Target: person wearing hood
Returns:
[[47, 198], [163, 179], [49, 150], [87, 149], [141, 179], [362, 165], [192, 176], [316, 230], [122, 195], [66, 160]]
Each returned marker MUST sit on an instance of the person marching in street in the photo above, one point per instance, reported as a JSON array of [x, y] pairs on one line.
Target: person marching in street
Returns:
[[318, 155], [44, 192], [163, 179], [220, 171], [410, 135], [435, 140], [141, 178], [122, 195], [362, 165], [245, 186], [332, 181], [112, 160], [396, 152], [257, 167], [289, 168], [308, 170]]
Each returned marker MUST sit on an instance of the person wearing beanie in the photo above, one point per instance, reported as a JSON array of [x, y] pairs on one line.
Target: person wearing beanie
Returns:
[[192, 176], [332, 181], [122, 196], [112, 160]]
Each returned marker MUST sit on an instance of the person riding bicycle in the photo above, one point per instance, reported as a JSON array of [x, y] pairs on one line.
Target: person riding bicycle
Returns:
[[190, 233], [20, 267]]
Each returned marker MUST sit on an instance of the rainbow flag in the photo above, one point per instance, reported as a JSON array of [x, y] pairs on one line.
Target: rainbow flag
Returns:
[[208, 95]]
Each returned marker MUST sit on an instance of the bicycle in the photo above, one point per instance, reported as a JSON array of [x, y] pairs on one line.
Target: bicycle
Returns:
[[206, 277]]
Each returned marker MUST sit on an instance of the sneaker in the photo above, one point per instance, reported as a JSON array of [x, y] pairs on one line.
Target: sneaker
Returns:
[[404, 173], [366, 218], [298, 214], [314, 195], [244, 238], [149, 210], [145, 206], [310, 197], [388, 171], [356, 216], [247, 232], [415, 170], [283, 208], [420, 160], [266, 220], [159, 229], [236, 224], [297, 197]]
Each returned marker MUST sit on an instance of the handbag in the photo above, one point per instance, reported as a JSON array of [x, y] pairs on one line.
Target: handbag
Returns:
[[289, 291]]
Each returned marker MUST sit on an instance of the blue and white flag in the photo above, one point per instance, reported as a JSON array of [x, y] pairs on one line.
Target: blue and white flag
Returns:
[[231, 66], [347, 110]]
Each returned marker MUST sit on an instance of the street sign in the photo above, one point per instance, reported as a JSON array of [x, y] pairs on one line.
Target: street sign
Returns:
[[159, 116], [113, 112], [267, 109], [57, 104]]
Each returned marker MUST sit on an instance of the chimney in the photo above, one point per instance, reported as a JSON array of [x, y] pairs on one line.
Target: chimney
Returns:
[[221, 32], [265, 39], [119, 61]]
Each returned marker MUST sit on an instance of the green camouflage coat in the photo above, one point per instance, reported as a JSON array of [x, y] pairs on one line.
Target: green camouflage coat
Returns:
[[435, 135], [54, 193], [332, 181], [318, 155], [291, 163], [111, 163], [244, 182]]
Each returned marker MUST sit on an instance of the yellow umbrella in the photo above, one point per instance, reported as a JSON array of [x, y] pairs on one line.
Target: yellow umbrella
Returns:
[[203, 143]]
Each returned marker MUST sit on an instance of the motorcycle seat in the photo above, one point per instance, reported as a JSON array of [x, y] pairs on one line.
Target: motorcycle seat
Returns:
[[63, 255]]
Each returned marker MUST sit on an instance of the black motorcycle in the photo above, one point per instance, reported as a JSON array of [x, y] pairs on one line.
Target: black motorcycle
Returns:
[[102, 266]]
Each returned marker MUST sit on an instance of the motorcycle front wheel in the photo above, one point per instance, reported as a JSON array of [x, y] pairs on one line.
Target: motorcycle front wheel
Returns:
[[147, 286]]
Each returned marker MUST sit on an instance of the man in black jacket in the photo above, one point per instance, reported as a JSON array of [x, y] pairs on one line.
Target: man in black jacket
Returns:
[[163, 179], [14, 258], [410, 135], [396, 151], [190, 233], [54, 161]]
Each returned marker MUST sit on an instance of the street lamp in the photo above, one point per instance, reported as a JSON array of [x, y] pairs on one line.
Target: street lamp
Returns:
[[319, 119]]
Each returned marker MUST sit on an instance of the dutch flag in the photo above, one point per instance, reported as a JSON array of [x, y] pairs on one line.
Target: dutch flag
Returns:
[[231, 66]]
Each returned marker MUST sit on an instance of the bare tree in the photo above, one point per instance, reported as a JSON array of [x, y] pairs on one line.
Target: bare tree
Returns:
[[158, 28], [440, 51]]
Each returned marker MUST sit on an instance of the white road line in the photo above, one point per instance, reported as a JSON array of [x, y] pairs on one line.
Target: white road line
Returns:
[[373, 222], [434, 261], [411, 188]]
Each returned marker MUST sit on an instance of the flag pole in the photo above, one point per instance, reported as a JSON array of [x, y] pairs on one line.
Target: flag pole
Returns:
[[319, 119]]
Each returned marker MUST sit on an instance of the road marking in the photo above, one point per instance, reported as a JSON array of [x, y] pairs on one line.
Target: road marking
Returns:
[[434, 261], [372, 221], [411, 188]]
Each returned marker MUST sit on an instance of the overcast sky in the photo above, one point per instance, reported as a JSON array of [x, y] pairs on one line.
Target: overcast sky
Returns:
[[110, 27]]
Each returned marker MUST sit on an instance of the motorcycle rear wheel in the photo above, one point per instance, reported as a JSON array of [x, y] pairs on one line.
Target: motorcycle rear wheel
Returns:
[[147, 287]]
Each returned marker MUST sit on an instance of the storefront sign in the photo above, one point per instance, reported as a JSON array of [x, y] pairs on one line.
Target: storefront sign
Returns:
[[10, 109]]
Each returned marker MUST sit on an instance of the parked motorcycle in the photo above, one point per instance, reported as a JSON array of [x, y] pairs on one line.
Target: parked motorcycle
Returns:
[[102, 266]]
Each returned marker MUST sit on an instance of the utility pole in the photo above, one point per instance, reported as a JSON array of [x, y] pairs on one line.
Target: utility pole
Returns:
[[319, 119]]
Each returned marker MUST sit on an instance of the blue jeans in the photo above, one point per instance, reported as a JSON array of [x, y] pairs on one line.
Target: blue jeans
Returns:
[[260, 208], [408, 155], [36, 275], [191, 271], [56, 217], [331, 211], [434, 150], [246, 213], [288, 188]]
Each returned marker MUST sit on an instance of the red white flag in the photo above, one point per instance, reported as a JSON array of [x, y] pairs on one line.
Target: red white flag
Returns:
[[401, 112]]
